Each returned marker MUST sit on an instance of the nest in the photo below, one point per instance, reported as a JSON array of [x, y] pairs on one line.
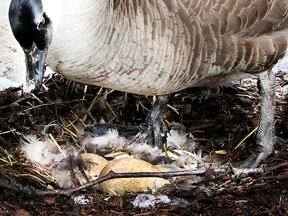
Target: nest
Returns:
[[219, 119]]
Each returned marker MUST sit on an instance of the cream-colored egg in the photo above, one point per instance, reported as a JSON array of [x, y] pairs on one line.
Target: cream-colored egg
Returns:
[[122, 185], [92, 166]]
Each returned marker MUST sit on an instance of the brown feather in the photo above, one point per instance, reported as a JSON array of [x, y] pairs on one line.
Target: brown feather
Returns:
[[157, 47]]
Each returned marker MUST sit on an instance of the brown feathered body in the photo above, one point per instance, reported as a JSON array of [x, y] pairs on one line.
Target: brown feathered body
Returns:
[[156, 47]]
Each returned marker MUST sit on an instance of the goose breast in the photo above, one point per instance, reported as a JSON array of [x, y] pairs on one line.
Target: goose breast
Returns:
[[158, 47]]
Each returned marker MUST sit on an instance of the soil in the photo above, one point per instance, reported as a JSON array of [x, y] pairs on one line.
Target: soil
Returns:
[[218, 118]]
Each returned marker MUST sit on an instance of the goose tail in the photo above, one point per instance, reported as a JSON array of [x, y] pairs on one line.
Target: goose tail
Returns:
[[253, 54]]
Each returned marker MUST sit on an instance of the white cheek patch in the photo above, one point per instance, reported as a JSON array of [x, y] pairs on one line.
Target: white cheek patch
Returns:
[[53, 9]]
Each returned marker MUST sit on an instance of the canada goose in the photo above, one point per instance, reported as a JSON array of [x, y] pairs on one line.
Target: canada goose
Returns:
[[157, 47]]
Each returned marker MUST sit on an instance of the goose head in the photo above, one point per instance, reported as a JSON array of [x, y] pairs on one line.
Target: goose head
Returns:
[[33, 28]]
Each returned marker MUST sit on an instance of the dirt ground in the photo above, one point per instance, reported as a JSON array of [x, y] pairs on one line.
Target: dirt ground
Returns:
[[218, 118]]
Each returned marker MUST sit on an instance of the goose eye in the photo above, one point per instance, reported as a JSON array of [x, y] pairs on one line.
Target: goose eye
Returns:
[[41, 24]]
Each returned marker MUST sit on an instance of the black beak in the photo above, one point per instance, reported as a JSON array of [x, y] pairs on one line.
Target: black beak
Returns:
[[35, 65]]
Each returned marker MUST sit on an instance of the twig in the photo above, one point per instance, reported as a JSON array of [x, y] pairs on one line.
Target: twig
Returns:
[[173, 109], [246, 171], [31, 192], [243, 140], [88, 112], [113, 175], [34, 96], [55, 142], [15, 103], [50, 104], [277, 166], [17, 188], [7, 132]]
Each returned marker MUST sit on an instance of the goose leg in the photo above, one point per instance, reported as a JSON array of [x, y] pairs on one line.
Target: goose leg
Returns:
[[155, 124], [151, 131], [266, 131]]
